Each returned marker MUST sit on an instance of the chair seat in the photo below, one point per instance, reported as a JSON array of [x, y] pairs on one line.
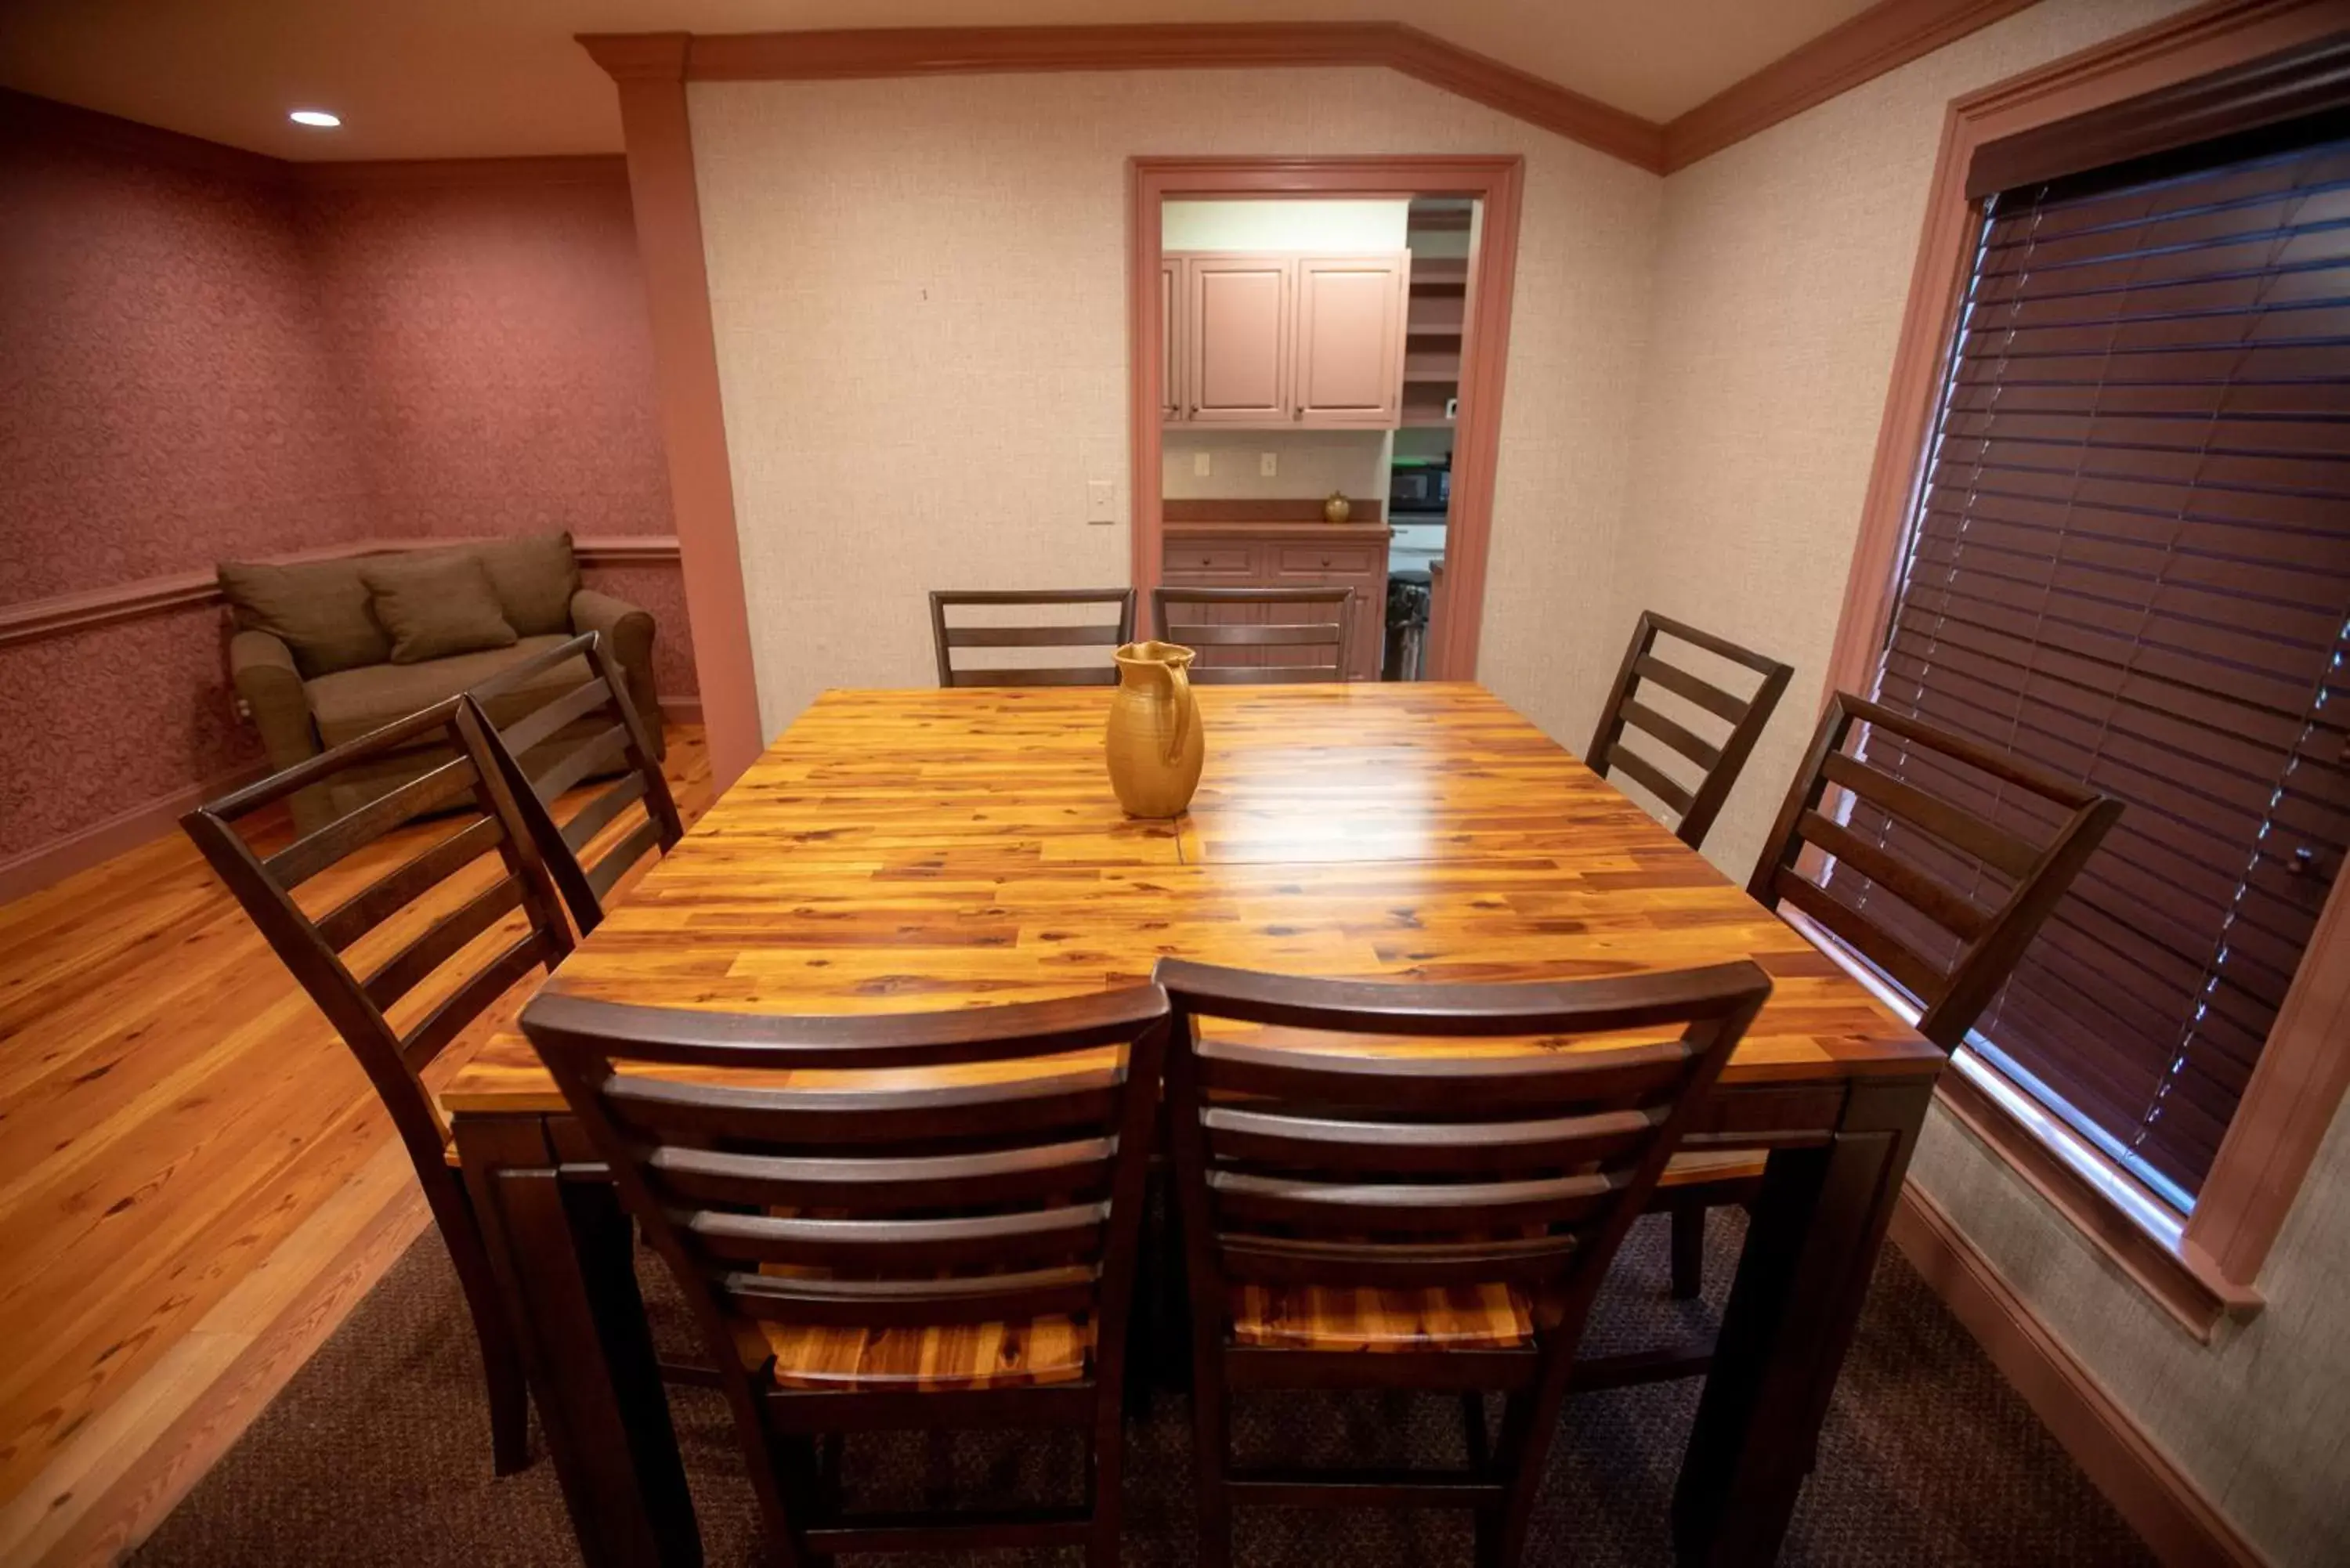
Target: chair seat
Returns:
[[935, 1358], [1314, 1317], [1704, 1167]]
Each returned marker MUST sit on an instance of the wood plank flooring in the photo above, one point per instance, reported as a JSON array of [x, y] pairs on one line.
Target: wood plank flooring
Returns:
[[195, 1184]]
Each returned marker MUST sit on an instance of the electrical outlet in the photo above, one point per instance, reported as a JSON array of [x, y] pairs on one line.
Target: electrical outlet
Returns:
[[1201, 465], [1268, 464], [1101, 500]]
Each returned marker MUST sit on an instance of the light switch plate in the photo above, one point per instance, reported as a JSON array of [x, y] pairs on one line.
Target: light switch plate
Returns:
[[1201, 465], [1268, 464], [1101, 500]]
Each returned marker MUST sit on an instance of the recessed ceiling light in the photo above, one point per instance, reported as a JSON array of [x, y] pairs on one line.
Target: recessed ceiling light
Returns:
[[317, 117]]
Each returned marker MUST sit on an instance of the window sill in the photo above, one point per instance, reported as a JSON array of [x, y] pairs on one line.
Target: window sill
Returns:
[[2133, 1229]]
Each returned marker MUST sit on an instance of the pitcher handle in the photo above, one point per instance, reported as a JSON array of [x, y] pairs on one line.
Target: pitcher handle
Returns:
[[1178, 691]]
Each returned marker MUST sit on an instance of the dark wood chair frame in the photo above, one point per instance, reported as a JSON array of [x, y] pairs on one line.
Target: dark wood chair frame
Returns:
[[625, 740], [1949, 998], [1039, 1180], [1300, 1168], [1335, 635], [1724, 761], [945, 638], [313, 950]]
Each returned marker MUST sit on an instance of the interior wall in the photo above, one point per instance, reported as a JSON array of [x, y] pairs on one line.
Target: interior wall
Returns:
[[1308, 464], [1328, 224], [1783, 272], [206, 357], [918, 292]]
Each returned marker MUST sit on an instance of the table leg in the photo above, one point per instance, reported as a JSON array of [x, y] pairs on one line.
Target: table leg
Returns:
[[565, 1254], [1811, 1248]]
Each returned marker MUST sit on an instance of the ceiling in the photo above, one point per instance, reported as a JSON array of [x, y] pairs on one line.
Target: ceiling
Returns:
[[470, 79]]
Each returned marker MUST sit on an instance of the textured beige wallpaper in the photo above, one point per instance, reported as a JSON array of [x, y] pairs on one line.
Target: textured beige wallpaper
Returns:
[[1783, 269], [918, 292]]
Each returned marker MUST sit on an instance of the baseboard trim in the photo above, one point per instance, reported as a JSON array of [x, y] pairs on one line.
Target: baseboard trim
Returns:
[[2179, 1523], [101, 841], [681, 709]]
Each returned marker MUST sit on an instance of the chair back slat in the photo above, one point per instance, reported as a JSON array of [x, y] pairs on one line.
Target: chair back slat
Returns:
[[544, 756], [1318, 622], [1717, 761], [306, 856], [665, 1109], [1351, 1166], [1918, 811], [403, 970], [447, 1019], [1004, 1181], [1113, 633], [439, 888], [377, 902]]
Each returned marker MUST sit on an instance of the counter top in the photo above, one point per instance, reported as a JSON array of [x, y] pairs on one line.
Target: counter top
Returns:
[[1274, 528]]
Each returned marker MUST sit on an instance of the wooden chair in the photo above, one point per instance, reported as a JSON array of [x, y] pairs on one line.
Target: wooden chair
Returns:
[[1720, 759], [539, 768], [862, 1255], [1415, 1220], [945, 638], [1945, 814], [318, 949], [1322, 642]]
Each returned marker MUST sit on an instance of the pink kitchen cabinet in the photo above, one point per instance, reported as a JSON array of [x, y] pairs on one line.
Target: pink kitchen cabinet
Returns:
[[1264, 340]]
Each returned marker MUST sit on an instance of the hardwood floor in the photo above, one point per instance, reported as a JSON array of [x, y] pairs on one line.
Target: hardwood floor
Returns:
[[195, 1184]]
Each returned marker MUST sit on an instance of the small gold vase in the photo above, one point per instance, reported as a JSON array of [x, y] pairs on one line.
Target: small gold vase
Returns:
[[1154, 742], [1337, 509]]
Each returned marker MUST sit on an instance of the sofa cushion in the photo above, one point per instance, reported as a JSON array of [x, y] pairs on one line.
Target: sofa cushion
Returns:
[[436, 606], [351, 702], [317, 608]]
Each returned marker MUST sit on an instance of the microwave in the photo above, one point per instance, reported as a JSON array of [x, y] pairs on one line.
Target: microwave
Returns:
[[1424, 489]]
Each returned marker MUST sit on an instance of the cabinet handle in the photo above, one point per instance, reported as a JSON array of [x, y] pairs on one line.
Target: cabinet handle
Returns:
[[1325, 560]]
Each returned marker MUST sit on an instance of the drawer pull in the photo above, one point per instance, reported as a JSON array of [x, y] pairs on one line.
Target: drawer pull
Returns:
[[1325, 560]]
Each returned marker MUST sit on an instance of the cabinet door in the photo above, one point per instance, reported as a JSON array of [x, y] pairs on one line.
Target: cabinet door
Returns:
[[1237, 325], [1172, 345], [1350, 331]]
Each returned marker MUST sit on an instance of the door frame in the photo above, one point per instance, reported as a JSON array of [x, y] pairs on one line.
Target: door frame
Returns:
[[1498, 181]]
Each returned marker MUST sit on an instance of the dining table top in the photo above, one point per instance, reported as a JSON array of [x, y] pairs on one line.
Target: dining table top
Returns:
[[903, 850]]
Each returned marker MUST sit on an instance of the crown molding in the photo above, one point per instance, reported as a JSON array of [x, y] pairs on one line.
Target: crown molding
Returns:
[[865, 53], [1885, 38]]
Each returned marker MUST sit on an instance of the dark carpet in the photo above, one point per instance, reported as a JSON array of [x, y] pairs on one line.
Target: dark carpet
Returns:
[[378, 1452]]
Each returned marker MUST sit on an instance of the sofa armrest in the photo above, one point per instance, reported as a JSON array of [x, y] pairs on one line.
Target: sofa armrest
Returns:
[[629, 636], [262, 669]]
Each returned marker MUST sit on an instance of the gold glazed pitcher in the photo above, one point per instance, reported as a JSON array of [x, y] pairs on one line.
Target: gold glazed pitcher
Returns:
[[1154, 742]]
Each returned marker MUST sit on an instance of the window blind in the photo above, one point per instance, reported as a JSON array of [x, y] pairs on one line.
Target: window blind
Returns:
[[2129, 560]]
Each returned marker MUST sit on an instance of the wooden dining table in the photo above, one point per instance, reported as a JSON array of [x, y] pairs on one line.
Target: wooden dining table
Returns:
[[923, 849]]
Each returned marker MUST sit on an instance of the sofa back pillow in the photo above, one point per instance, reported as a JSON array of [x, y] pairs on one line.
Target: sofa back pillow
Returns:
[[436, 605], [535, 578], [317, 608]]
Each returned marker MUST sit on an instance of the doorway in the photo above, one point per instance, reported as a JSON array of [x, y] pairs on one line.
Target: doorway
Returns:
[[1228, 375]]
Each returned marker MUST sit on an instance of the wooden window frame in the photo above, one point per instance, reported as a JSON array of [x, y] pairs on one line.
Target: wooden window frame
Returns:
[[2205, 1271]]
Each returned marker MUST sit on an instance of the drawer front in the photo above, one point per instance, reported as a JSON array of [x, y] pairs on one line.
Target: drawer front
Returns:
[[1222, 561], [1319, 561]]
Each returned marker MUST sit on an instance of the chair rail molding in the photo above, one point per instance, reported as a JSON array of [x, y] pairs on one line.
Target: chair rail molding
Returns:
[[34, 620]]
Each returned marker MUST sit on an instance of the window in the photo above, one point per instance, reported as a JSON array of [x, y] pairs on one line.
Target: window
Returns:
[[2129, 560]]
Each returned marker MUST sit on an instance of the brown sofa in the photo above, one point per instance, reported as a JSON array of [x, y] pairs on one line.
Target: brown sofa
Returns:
[[313, 662]]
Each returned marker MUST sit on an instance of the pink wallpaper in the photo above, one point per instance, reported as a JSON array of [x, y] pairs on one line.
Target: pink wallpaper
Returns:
[[166, 398], [203, 355], [493, 340]]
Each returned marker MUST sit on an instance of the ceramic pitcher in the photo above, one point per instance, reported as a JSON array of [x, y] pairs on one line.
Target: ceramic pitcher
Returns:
[[1154, 742]]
